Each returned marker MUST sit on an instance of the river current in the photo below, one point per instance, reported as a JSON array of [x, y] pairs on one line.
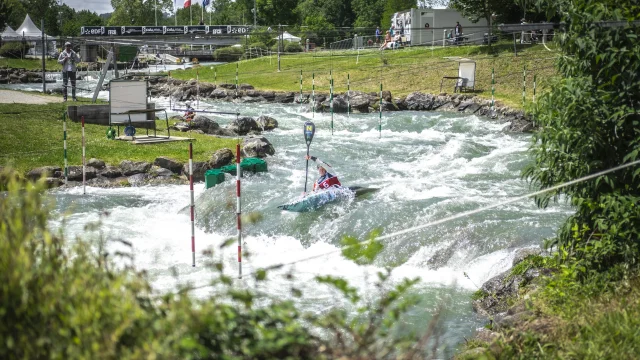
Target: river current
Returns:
[[427, 165]]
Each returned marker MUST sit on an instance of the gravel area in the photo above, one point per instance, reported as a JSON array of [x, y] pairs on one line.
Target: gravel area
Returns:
[[18, 97]]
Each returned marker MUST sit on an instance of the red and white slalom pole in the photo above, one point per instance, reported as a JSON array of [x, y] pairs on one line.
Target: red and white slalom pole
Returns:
[[192, 207], [239, 210], [84, 163]]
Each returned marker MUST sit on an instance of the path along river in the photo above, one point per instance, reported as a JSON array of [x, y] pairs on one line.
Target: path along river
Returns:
[[428, 166]]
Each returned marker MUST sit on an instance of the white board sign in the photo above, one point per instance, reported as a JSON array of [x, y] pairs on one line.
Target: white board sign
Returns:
[[125, 96]]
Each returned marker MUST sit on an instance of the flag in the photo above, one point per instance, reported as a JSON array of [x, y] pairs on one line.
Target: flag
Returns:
[[187, 3], [205, 3]]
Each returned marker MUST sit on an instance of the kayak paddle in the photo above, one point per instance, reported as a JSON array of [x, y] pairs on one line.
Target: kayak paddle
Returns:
[[309, 130]]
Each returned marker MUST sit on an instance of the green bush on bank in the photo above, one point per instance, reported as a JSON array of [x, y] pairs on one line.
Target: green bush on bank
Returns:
[[229, 53], [14, 50], [82, 300]]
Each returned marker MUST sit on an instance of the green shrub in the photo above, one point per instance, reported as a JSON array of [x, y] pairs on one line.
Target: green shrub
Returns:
[[292, 47], [14, 49], [81, 300], [259, 45], [229, 53]]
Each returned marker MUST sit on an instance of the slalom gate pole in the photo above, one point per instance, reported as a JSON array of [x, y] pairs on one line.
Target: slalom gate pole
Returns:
[[300, 88], [84, 163], [524, 84], [170, 93], [348, 93], [192, 207], [380, 117], [331, 103], [313, 95], [197, 88], [236, 79], [493, 90], [215, 76], [534, 87], [66, 164], [239, 210]]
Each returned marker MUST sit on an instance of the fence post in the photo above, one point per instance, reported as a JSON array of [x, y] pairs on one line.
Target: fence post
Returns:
[[493, 89], [524, 84]]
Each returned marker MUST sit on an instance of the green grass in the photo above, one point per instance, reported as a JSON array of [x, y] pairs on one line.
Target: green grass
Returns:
[[30, 64], [33, 137], [400, 71]]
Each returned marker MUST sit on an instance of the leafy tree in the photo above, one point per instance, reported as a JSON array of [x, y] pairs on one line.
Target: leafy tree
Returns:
[[590, 122], [276, 12], [41, 9], [393, 6], [506, 11], [368, 13], [137, 12]]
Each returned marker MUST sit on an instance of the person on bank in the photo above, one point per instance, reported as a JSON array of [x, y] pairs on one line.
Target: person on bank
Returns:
[[326, 180], [68, 58]]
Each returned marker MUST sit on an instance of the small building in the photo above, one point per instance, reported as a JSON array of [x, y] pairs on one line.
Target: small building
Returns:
[[432, 26]]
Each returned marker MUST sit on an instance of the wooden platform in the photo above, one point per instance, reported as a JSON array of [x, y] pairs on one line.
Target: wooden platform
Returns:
[[144, 139]]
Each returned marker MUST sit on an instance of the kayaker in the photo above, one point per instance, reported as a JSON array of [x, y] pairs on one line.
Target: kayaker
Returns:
[[326, 180]]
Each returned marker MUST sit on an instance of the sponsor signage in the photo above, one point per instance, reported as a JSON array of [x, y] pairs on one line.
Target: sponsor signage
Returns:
[[163, 30]]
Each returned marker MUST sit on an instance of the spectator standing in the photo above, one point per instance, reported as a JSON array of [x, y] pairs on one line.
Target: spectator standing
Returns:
[[377, 34], [458, 33], [68, 58]]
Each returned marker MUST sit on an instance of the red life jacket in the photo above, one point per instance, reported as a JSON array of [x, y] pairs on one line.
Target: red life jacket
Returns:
[[326, 182]]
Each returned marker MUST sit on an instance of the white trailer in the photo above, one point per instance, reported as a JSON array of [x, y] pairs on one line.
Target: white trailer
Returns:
[[434, 26]]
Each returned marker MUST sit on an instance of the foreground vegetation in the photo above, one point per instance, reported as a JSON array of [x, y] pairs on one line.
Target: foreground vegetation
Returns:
[[589, 122], [82, 300], [400, 71], [33, 137]]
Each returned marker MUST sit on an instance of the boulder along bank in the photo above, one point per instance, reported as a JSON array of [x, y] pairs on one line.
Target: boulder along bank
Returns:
[[359, 102]]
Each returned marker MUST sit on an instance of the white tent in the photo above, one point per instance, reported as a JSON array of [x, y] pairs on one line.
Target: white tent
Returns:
[[8, 33], [286, 36], [29, 30]]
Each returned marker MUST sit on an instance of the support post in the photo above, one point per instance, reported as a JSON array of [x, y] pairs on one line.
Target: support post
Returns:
[[84, 163], [493, 89], [524, 84], [64, 136], [313, 95], [192, 207], [534, 87], [380, 113], [348, 93], [239, 209], [44, 82]]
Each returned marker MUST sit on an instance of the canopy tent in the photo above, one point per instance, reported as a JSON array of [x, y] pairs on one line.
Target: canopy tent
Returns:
[[29, 30], [286, 36], [8, 33]]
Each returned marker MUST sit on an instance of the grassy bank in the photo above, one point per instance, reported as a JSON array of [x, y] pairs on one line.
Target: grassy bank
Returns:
[[30, 64], [33, 137], [598, 318], [400, 71]]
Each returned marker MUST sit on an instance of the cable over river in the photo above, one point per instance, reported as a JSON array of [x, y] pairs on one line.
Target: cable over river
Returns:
[[428, 166]]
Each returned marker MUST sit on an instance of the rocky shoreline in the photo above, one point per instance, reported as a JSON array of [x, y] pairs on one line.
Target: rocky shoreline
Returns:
[[503, 300], [359, 102]]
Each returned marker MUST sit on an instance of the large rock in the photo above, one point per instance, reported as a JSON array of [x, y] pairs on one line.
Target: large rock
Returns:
[[257, 147], [131, 168], [419, 101], [221, 158], [340, 104], [360, 102], [285, 98], [75, 173], [169, 164], [267, 123], [199, 168], [205, 124], [96, 163], [243, 125], [46, 171], [219, 93], [111, 172]]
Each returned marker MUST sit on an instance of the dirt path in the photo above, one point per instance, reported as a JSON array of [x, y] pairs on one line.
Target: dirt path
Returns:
[[18, 97]]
